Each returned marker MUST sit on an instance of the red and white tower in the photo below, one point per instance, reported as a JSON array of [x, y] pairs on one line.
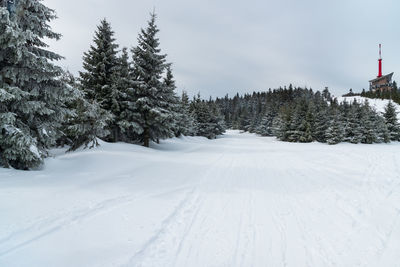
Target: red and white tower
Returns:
[[382, 82], [380, 61]]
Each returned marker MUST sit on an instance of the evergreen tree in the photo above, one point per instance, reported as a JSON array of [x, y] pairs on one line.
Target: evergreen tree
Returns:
[[32, 96], [368, 122], [100, 74], [266, 125], [321, 125], [87, 122], [209, 120], [283, 123], [383, 135], [353, 127], [335, 131], [217, 119], [170, 103], [307, 128], [301, 123], [154, 116], [186, 124], [370, 134], [245, 120], [123, 101], [390, 116]]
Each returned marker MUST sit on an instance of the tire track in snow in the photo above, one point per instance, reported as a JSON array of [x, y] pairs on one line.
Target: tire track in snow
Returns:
[[173, 230], [47, 226], [53, 225], [246, 241]]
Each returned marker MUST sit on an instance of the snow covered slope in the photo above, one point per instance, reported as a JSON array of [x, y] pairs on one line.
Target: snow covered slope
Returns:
[[240, 200], [378, 104]]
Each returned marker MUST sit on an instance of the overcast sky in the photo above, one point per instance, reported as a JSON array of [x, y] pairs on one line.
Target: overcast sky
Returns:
[[227, 46]]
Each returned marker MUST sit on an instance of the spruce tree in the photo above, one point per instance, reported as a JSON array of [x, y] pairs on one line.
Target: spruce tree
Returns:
[[33, 96], [202, 115], [87, 122], [100, 74], [383, 134], [390, 116], [334, 133], [353, 127], [186, 124], [217, 119], [301, 123], [154, 117], [129, 129], [170, 103], [283, 123], [265, 127], [307, 128], [368, 122], [209, 120], [125, 127], [100, 65], [321, 124]]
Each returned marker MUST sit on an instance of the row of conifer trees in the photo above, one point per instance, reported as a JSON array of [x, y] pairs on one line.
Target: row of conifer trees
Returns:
[[302, 115], [119, 96]]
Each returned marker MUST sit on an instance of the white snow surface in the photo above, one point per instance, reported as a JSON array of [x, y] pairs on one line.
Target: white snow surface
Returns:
[[378, 104], [239, 200]]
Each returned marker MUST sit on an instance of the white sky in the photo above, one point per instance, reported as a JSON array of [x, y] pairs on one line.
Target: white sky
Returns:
[[228, 46]]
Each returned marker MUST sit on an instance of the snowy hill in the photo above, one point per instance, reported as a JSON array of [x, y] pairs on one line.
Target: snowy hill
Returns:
[[240, 200], [378, 104]]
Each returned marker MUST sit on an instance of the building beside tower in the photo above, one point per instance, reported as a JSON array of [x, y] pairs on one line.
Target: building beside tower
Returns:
[[381, 82]]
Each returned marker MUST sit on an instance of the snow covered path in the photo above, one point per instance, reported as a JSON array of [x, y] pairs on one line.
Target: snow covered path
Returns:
[[240, 200]]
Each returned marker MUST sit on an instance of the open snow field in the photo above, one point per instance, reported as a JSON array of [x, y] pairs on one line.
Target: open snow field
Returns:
[[240, 200]]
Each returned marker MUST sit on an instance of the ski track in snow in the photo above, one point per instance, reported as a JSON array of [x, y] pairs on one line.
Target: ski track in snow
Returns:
[[47, 226], [240, 200]]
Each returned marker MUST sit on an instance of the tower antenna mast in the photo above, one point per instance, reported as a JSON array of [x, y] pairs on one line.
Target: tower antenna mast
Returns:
[[380, 61]]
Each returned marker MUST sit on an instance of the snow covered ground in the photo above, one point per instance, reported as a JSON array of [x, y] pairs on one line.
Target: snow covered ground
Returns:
[[240, 200]]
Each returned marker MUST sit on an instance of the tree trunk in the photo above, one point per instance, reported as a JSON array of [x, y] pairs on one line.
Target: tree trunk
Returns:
[[146, 137]]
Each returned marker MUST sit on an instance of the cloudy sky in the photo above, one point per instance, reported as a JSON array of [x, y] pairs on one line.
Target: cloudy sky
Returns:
[[223, 47]]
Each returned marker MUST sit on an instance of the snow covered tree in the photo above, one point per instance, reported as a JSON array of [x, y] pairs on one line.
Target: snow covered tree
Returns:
[[87, 122], [186, 124], [169, 102], [209, 120], [217, 119], [265, 127], [307, 128], [368, 121], [32, 96], [127, 116], [100, 65], [353, 127], [100, 73], [123, 101], [390, 116], [301, 123], [321, 124], [151, 96], [245, 119], [283, 123], [382, 132], [335, 131]]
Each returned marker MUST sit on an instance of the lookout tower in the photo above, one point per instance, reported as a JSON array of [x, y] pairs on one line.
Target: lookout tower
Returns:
[[381, 82]]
